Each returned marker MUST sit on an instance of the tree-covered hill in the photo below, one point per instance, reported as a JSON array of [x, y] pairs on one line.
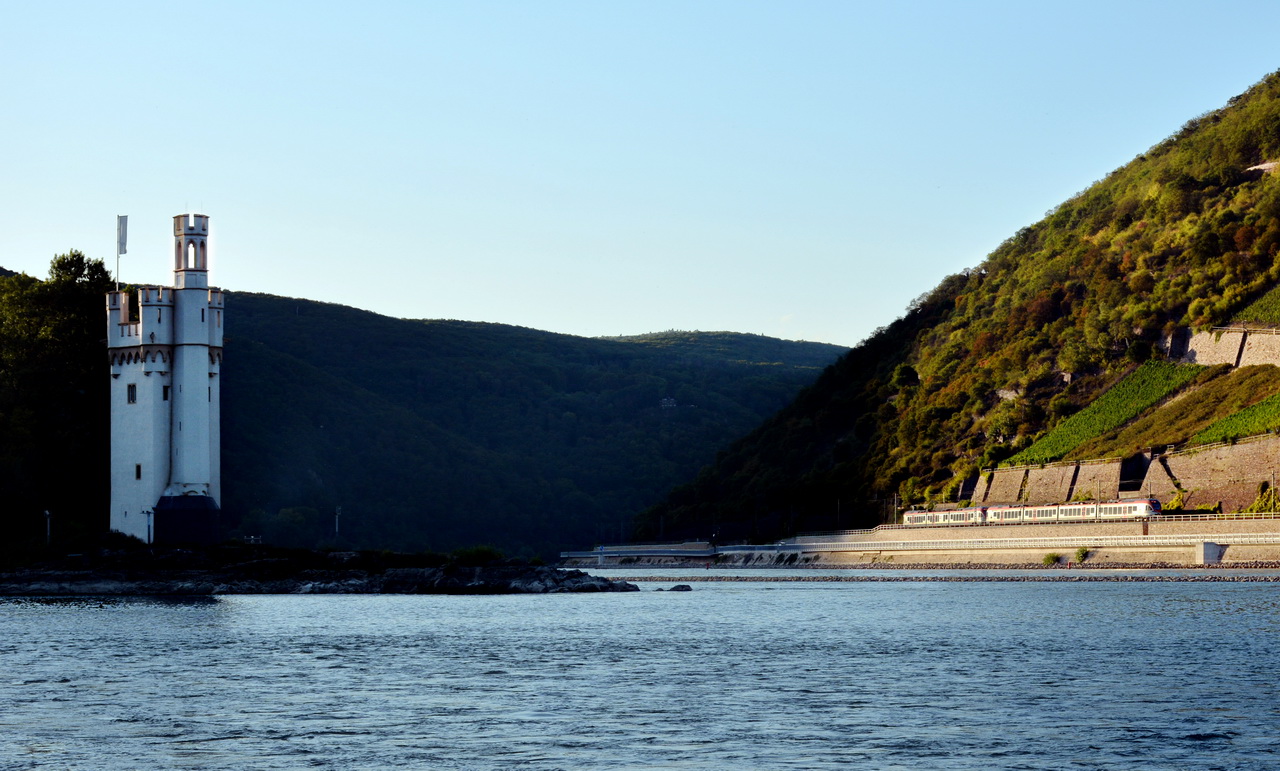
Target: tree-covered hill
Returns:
[[435, 434], [1185, 235], [427, 434]]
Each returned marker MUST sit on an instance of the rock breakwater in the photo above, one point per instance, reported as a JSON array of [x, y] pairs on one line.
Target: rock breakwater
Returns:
[[204, 574]]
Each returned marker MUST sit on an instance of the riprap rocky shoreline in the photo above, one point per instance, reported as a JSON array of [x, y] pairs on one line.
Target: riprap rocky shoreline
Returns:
[[195, 573]]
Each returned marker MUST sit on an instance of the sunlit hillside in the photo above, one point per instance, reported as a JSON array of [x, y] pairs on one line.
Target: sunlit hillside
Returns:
[[1006, 355]]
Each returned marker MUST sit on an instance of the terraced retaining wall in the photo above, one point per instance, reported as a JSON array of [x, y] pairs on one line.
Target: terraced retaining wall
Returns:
[[1098, 480], [1230, 474], [1005, 486], [1261, 347], [1051, 484], [1215, 347], [1055, 483]]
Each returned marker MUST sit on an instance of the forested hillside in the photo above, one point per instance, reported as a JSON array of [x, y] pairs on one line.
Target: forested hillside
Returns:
[[994, 358], [427, 434], [434, 434]]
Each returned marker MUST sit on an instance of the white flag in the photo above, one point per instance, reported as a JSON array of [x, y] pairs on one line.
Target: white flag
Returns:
[[122, 232]]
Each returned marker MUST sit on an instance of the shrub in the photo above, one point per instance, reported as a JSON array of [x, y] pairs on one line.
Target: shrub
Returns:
[[1266, 500], [1082, 554], [477, 556], [1051, 559]]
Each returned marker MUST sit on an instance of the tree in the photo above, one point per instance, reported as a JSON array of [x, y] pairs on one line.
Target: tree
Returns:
[[53, 397]]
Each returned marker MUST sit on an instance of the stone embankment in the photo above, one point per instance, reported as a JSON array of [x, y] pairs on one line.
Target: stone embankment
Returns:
[[1229, 540], [978, 572], [1022, 578]]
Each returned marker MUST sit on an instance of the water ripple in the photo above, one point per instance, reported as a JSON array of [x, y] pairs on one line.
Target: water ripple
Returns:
[[807, 675]]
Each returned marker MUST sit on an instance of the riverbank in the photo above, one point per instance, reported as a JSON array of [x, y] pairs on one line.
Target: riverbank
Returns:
[[1004, 577], [1183, 541], [247, 570], [868, 568]]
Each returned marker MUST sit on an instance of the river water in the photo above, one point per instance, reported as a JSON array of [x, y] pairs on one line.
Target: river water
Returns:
[[805, 675]]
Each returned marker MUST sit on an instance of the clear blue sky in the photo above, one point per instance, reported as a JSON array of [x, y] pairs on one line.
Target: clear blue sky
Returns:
[[795, 169]]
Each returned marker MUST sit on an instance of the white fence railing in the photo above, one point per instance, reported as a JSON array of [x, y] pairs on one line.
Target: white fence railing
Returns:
[[827, 534], [1063, 542], [941, 544]]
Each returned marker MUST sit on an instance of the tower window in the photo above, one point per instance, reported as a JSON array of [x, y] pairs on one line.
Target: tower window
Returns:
[[137, 471], [165, 392], [202, 315], [133, 393], [210, 393]]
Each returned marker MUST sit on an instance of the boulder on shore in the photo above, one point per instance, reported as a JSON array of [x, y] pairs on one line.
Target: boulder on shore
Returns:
[[500, 579]]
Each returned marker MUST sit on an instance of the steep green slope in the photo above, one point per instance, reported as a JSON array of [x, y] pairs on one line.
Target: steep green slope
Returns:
[[1265, 310], [1257, 418], [1217, 394], [1119, 404], [1184, 235]]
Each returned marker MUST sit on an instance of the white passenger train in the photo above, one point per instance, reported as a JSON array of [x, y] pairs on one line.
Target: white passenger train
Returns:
[[1108, 511]]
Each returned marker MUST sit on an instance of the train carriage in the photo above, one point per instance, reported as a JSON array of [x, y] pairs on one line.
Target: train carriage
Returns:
[[971, 516], [1094, 511]]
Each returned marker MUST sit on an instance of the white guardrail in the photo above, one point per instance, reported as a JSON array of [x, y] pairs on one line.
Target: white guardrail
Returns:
[[1065, 542]]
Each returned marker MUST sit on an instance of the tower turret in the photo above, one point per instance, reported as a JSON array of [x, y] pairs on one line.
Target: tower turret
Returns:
[[190, 250]]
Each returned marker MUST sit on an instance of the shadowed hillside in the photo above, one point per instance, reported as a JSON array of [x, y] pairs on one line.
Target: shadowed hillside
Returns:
[[435, 434], [427, 434]]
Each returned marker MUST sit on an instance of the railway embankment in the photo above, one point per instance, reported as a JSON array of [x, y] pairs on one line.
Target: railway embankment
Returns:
[[1030, 576], [1240, 540]]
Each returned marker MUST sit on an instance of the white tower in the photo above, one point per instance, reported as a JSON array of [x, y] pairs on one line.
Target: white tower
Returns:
[[165, 440]]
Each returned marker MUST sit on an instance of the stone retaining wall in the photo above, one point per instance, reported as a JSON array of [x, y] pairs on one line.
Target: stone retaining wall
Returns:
[[1157, 483], [1082, 533], [1051, 484], [1006, 484], [1261, 348], [1098, 480], [1210, 348], [1230, 474], [1223, 527], [1054, 484]]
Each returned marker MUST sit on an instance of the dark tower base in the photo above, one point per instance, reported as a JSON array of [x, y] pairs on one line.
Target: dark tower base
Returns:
[[190, 519]]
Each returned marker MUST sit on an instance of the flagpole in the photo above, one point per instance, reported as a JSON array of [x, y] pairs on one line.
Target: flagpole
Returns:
[[122, 225]]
